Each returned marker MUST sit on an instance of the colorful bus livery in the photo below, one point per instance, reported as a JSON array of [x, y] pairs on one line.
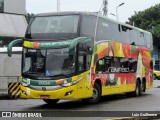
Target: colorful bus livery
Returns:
[[75, 55], [122, 68]]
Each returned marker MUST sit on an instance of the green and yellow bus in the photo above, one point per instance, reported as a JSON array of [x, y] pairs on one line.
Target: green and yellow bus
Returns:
[[81, 55]]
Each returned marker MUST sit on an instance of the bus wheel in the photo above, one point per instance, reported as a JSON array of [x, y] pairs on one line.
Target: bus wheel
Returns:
[[51, 101], [95, 96], [142, 88], [135, 93]]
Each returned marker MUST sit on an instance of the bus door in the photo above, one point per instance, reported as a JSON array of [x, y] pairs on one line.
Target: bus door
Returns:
[[84, 62]]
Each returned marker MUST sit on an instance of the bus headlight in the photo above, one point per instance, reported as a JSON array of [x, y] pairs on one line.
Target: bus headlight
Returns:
[[71, 83], [24, 84]]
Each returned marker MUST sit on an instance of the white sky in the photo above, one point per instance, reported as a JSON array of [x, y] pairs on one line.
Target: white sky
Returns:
[[125, 11]]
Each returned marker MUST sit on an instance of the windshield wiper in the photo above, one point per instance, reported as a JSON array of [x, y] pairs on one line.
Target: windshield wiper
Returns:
[[61, 75], [32, 73]]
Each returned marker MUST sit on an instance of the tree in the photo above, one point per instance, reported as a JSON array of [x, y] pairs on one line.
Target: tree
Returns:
[[29, 16], [149, 20]]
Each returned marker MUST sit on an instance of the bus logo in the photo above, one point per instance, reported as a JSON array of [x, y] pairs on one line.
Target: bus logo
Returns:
[[44, 88]]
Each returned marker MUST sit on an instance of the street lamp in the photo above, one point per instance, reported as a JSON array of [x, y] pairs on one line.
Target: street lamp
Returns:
[[117, 17], [58, 5]]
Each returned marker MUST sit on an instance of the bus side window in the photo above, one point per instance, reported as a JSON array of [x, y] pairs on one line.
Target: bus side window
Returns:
[[81, 63], [141, 39], [133, 65], [110, 64], [117, 62], [133, 37], [88, 64], [84, 62], [84, 56], [100, 66], [103, 29], [115, 32], [124, 64], [125, 34]]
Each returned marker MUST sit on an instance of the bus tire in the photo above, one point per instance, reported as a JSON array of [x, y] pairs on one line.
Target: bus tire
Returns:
[[96, 95], [135, 93], [51, 101], [143, 87]]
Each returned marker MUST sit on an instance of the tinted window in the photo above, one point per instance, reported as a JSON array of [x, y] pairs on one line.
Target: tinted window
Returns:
[[53, 27], [117, 62], [88, 61], [141, 39], [133, 65], [115, 32], [55, 24], [110, 64], [103, 32], [133, 37], [34, 61], [125, 34], [124, 64], [148, 40], [100, 66], [88, 24], [81, 63], [84, 57]]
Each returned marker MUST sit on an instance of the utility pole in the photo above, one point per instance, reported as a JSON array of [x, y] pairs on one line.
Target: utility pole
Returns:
[[105, 8], [58, 5]]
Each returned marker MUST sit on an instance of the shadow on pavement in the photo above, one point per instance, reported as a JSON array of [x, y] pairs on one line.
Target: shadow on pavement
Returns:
[[4, 97], [80, 105]]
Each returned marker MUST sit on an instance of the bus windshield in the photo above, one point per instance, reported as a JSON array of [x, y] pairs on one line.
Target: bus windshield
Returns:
[[53, 27], [48, 62]]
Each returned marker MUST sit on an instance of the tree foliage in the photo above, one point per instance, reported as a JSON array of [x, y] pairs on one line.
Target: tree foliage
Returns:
[[149, 20], [29, 16]]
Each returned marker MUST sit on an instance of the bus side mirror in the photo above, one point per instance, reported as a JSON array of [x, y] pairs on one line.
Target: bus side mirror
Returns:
[[11, 44]]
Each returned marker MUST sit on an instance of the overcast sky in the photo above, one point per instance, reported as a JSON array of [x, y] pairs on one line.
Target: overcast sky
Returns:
[[125, 11]]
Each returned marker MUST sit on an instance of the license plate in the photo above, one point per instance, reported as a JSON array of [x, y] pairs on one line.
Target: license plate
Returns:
[[44, 96]]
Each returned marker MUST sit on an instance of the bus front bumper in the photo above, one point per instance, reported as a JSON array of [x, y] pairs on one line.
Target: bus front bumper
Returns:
[[63, 93]]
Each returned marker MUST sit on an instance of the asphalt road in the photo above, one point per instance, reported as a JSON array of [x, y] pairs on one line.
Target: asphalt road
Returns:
[[150, 101]]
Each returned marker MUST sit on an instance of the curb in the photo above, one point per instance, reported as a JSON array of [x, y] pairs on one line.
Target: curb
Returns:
[[4, 96]]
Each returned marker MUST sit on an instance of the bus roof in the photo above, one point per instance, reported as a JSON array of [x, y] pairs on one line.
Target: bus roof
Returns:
[[90, 13], [14, 49]]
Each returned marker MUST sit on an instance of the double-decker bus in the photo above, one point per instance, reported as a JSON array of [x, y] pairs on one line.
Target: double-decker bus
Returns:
[[81, 55]]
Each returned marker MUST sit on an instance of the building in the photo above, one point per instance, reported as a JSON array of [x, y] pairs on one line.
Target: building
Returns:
[[12, 20], [12, 26]]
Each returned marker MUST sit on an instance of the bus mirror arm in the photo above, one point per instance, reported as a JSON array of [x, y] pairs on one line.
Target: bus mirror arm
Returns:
[[75, 42], [11, 44]]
